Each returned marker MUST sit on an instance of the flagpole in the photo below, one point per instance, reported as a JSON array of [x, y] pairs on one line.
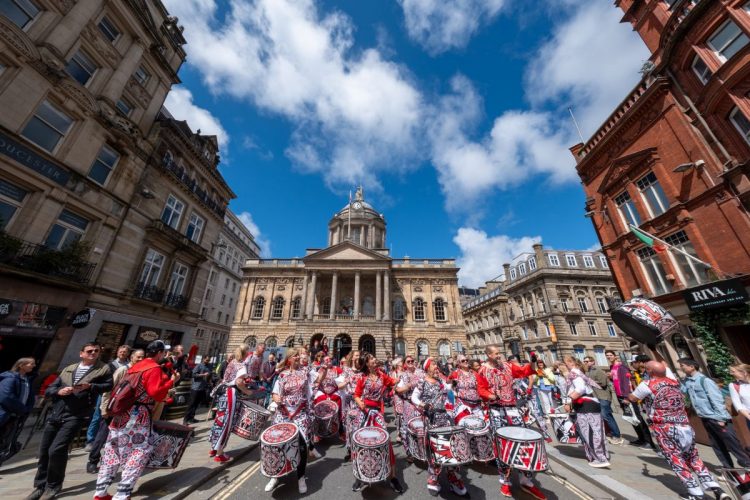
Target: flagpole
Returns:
[[349, 223], [671, 247]]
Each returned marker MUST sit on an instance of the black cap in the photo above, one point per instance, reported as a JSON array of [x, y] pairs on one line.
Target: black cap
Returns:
[[156, 346]]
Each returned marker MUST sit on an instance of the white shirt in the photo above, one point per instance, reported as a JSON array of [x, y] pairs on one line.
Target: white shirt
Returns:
[[741, 398]]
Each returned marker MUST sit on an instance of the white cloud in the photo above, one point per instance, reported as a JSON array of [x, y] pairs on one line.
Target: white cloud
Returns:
[[180, 105], [482, 256], [442, 25], [264, 243]]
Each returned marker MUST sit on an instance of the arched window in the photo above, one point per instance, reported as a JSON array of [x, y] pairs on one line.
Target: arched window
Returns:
[[439, 310], [271, 342], [289, 342], [325, 305], [400, 347], [251, 341], [296, 307], [258, 307], [399, 309], [278, 308], [367, 344], [423, 350], [418, 310], [444, 349]]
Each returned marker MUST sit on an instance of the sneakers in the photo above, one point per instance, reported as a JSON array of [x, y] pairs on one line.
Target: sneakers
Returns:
[[720, 494], [599, 465], [302, 485], [50, 493], [616, 441], [692, 497], [358, 485], [396, 485], [314, 454], [222, 459], [36, 494], [638, 442], [505, 490], [272, 484], [348, 456], [433, 486], [103, 497], [534, 491], [212, 453], [457, 486]]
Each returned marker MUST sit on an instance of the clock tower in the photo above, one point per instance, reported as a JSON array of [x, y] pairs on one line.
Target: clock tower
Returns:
[[359, 223]]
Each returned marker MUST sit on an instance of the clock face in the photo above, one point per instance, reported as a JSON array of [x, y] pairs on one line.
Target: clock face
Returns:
[[357, 205]]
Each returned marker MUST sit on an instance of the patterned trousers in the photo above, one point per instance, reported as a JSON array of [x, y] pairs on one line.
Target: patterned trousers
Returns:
[[677, 442], [434, 469], [129, 448], [590, 428], [503, 416]]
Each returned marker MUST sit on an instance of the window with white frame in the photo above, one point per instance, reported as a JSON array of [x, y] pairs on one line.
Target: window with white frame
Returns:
[[627, 210], [611, 329], [535, 331], [599, 357], [325, 306], [399, 309], [68, 229], [278, 308], [512, 273], [152, 267], [547, 330], [582, 305], [439, 310], [579, 352], [142, 76], [103, 165], [525, 332], [81, 67], [592, 328], [564, 304], [419, 310], [654, 270], [571, 261], [603, 262], [588, 261], [692, 272], [195, 228], [701, 69], [296, 307], [124, 106], [172, 212], [553, 260], [573, 328], [20, 12], [108, 29], [258, 306], [653, 194], [47, 127], [522, 268], [740, 122], [727, 40], [11, 199], [601, 304], [178, 279], [532, 263]]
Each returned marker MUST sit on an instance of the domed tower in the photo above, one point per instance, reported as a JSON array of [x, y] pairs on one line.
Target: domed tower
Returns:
[[358, 222]]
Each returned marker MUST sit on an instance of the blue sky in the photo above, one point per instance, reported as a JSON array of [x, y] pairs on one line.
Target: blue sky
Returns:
[[451, 113]]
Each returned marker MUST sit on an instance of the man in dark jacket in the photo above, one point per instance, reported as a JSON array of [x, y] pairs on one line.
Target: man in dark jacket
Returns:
[[73, 397], [16, 402]]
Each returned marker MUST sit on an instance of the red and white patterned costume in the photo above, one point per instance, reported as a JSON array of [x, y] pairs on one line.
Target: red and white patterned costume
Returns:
[[468, 401], [226, 406], [293, 386], [408, 378], [372, 389]]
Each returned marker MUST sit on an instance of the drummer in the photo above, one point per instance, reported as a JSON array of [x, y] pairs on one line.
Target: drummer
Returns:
[[368, 396], [397, 367], [292, 393], [409, 378], [347, 383], [129, 443], [430, 396], [328, 388], [464, 381], [495, 386]]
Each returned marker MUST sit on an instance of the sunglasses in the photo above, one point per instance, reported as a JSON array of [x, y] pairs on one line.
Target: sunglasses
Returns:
[[410, 361], [91, 351], [463, 360]]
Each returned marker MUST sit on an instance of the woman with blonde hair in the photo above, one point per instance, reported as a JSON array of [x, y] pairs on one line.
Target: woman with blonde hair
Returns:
[[739, 390]]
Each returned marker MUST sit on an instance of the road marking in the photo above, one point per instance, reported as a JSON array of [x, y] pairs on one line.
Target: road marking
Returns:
[[577, 491], [238, 482]]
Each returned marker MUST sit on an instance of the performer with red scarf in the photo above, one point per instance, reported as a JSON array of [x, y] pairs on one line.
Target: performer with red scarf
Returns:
[[328, 389], [465, 385]]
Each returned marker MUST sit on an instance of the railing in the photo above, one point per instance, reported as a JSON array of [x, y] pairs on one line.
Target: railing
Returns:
[[182, 176], [274, 262], [159, 225], [424, 263], [148, 292], [65, 264], [176, 301]]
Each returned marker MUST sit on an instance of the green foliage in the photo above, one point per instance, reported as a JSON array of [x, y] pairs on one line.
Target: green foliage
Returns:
[[9, 246], [706, 325]]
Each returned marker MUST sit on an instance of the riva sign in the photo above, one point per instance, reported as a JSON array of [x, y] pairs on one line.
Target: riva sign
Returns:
[[715, 295]]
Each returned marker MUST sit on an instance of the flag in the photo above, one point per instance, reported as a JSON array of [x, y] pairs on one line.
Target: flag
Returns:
[[648, 240]]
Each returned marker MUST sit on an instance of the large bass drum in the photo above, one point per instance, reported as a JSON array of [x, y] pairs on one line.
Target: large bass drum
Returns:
[[170, 441], [480, 438], [279, 450], [645, 321], [326, 422], [449, 445], [521, 448], [371, 455], [250, 419], [415, 440]]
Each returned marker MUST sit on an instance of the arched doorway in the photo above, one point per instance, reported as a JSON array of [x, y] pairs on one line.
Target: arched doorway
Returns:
[[319, 338], [342, 345], [289, 341], [367, 344]]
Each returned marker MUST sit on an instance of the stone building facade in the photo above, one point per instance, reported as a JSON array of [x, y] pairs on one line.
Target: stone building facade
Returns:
[[352, 295], [673, 159], [552, 302]]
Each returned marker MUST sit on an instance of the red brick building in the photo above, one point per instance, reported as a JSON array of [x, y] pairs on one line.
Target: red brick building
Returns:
[[673, 159]]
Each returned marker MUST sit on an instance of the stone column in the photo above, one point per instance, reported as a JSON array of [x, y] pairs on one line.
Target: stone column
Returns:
[[313, 291], [386, 296], [127, 67], [362, 235], [303, 305], [68, 30], [356, 295], [378, 296], [334, 283]]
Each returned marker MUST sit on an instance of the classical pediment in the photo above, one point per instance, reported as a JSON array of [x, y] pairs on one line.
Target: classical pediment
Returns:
[[346, 251], [623, 165]]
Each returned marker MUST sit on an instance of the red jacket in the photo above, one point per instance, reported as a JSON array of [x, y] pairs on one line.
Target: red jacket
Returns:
[[498, 381]]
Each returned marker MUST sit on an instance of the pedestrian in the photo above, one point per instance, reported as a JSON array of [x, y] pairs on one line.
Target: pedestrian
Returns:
[[620, 377], [178, 359], [254, 362], [739, 390], [544, 383], [221, 367], [465, 386], [122, 357], [16, 402], [201, 374], [588, 413], [73, 394], [708, 403], [408, 380], [672, 431], [604, 395], [129, 443], [268, 374], [475, 365]]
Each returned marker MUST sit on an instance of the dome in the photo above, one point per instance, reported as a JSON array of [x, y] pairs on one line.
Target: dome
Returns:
[[358, 221]]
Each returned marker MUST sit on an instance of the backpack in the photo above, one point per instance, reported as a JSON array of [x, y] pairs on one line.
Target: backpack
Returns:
[[125, 394]]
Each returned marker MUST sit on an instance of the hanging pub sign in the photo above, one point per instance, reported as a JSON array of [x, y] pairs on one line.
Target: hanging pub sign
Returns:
[[645, 321], [715, 295], [82, 318], [6, 307]]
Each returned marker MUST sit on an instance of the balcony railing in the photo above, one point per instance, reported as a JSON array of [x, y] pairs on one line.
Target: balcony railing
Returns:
[[182, 176], [178, 237], [148, 292], [176, 301], [64, 264]]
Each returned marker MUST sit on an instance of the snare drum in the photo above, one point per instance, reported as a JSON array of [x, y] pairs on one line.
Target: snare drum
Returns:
[[449, 445], [249, 420], [521, 448], [326, 422], [480, 438], [279, 450], [415, 443], [170, 441], [565, 429], [371, 455]]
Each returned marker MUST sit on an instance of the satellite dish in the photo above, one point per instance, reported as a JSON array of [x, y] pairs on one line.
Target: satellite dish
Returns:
[[645, 321]]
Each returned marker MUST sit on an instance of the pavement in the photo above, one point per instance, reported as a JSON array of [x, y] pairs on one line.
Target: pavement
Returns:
[[635, 474]]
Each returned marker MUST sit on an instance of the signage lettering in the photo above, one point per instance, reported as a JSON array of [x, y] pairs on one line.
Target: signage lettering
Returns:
[[82, 318], [30, 159], [716, 295]]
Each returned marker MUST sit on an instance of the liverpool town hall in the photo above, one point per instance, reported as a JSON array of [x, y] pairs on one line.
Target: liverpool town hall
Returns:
[[352, 295]]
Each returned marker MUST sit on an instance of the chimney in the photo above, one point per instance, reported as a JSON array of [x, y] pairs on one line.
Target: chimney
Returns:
[[539, 254]]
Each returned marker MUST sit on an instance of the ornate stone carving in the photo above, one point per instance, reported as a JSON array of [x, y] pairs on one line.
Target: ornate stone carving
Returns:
[[102, 46], [438, 282], [437, 288], [417, 288], [264, 280], [281, 288], [261, 287], [418, 282], [65, 5], [81, 96], [17, 40], [298, 288], [283, 280], [138, 92]]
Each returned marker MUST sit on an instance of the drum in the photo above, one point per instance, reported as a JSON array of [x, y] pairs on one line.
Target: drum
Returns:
[[521, 448], [415, 441], [170, 441], [326, 422], [371, 458], [645, 321], [249, 420], [279, 450], [565, 429], [480, 438], [449, 445]]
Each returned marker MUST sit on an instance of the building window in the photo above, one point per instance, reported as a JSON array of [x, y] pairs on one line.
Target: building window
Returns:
[[172, 212], [603, 262], [444, 349], [81, 68], [325, 306], [399, 309], [564, 304], [419, 310], [108, 29], [231, 301], [547, 330], [223, 299], [271, 342], [588, 261], [195, 228], [592, 328], [535, 331], [522, 268], [654, 270], [103, 165], [599, 357], [439, 310], [571, 260], [208, 294], [512, 273], [124, 107], [627, 210], [701, 70], [611, 329], [553, 260], [152, 266], [741, 123], [47, 127], [21, 12], [68, 229], [142, 76], [178, 279], [278, 308], [296, 307], [582, 304], [601, 304], [258, 306], [579, 352], [525, 332], [727, 40], [691, 272], [653, 194], [11, 198], [226, 284], [234, 287], [573, 328], [532, 263]]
